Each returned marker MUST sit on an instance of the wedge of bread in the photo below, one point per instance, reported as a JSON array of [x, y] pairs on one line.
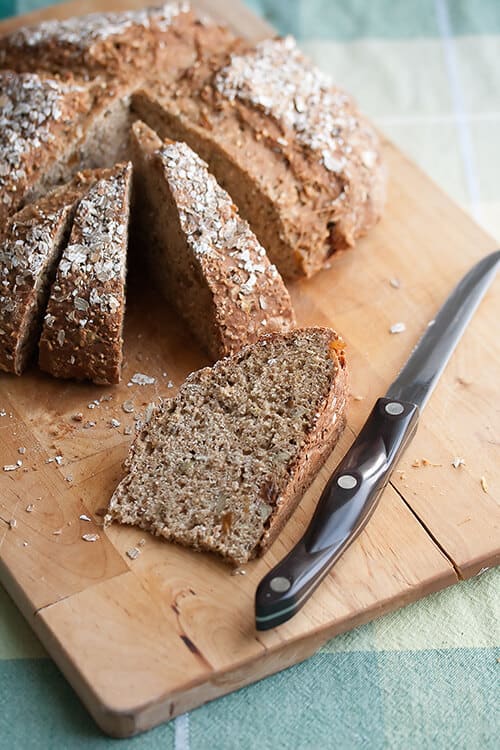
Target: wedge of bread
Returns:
[[293, 151], [82, 331], [205, 258], [222, 466], [31, 245]]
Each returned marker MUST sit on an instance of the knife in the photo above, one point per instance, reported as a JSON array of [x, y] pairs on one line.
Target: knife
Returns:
[[351, 494]]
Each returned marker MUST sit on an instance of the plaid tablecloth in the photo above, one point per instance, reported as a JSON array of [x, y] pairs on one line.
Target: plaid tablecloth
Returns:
[[428, 72]]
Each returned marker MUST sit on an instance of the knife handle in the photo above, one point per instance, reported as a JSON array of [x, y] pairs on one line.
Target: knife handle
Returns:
[[346, 504]]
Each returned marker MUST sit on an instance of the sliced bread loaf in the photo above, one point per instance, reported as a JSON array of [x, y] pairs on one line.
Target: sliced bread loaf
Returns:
[[82, 332], [222, 466], [301, 163], [30, 248], [206, 259]]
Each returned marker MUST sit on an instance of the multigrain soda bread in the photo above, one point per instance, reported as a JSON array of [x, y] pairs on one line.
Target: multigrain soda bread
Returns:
[[293, 151], [30, 248], [222, 466], [82, 331], [206, 260], [77, 76]]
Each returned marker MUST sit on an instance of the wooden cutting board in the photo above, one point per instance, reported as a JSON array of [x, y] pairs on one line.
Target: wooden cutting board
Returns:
[[146, 639]]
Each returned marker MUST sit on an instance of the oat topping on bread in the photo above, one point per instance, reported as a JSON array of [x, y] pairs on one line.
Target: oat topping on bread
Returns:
[[207, 261], [82, 333]]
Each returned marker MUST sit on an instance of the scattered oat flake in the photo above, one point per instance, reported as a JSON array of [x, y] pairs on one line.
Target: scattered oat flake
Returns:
[[128, 407], [25, 543], [78, 417], [55, 459], [484, 485], [91, 405], [140, 379], [397, 328], [21, 450], [3, 413], [11, 467], [90, 537], [395, 283], [88, 425], [128, 430], [115, 423], [12, 523], [58, 532], [30, 508], [84, 517], [69, 478], [133, 553], [458, 462], [170, 384], [238, 572], [141, 542]]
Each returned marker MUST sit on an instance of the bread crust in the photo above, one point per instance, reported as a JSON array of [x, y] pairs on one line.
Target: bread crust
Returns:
[[293, 151]]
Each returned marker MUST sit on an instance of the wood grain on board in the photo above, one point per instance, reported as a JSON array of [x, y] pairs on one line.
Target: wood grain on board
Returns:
[[184, 622]]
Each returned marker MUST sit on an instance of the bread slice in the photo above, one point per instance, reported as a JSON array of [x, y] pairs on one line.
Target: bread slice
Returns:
[[294, 153], [30, 248], [82, 331], [112, 45], [222, 466], [207, 260]]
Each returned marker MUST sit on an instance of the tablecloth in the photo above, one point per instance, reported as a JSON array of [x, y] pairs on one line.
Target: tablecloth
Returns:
[[428, 73]]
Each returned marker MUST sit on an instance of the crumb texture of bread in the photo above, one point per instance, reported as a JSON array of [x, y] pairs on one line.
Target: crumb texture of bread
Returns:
[[301, 163], [222, 466], [82, 331], [209, 263]]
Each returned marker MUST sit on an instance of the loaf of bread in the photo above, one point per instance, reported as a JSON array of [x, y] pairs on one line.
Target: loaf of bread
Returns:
[[222, 466], [82, 331], [293, 151], [31, 244], [206, 260]]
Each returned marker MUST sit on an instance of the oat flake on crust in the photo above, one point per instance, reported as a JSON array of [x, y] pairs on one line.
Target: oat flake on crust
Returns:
[[279, 79]]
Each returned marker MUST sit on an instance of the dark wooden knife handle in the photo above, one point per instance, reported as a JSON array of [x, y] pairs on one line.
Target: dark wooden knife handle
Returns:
[[346, 504]]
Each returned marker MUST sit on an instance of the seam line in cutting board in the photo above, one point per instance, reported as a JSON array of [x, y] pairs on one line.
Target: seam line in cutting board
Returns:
[[436, 541]]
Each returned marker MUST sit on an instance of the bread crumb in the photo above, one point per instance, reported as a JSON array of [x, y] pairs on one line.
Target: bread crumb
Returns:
[[358, 398], [484, 485], [12, 523], [90, 537], [395, 283], [78, 417], [128, 430], [458, 462], [58, 532], [140, 379], [426, 462], [238, 572], [88, 425], [141, 542], [128, 407], [30, 508], [397, 328]]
